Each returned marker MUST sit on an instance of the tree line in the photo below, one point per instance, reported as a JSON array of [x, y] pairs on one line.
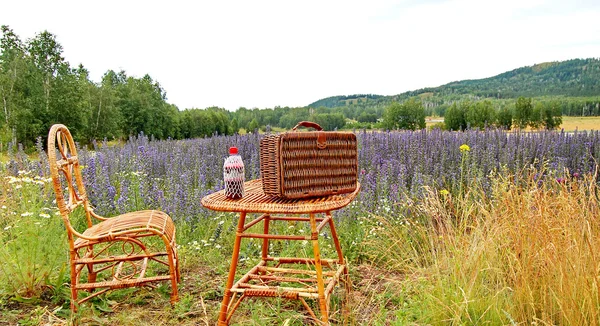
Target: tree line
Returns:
[[38, 88], [476, 115], [482, 114]]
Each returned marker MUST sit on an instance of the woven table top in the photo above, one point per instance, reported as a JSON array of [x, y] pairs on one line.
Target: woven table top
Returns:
[[255, 201]]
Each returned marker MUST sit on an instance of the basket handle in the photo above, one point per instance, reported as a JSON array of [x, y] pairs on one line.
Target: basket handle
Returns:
[[307, 124]]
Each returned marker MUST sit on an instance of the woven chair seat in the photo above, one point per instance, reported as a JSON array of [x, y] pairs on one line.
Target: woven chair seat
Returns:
[[128, 224]]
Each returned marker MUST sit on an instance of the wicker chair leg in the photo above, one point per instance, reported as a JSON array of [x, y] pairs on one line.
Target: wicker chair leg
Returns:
[[177, 270], [173, 269], [73, 298], [74, 281]]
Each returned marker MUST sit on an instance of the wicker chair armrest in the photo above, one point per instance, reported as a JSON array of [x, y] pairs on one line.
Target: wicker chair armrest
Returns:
[[102, 218], [75, 233]]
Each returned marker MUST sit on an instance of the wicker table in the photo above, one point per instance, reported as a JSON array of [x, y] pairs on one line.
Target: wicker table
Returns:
[[266, 278]]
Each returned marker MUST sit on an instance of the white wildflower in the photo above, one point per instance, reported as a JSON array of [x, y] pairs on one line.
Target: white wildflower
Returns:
[[218, 246], [38, 179], [7, 227], [26, 214], [44, 215]]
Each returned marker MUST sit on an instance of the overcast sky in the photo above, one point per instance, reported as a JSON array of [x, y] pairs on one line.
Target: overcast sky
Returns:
[[282, 53]]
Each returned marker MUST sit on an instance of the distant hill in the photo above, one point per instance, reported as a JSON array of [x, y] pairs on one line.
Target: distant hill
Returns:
[[336, 101], [574, 78]]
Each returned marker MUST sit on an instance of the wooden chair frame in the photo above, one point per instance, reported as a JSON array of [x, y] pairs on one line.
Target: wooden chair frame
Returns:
[[119, 249]]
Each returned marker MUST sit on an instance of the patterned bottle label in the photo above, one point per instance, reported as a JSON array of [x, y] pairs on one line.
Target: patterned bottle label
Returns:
[[233, 175]]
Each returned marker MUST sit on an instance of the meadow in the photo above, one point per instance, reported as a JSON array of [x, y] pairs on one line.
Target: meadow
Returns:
[[569, 123], [475, 227], [580, 123]]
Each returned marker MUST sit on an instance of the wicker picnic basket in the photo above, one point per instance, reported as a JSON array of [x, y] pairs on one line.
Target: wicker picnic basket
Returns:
[[308, 164]]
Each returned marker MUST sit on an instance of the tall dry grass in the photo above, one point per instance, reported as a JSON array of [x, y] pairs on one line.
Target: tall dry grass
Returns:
[[526, 253]]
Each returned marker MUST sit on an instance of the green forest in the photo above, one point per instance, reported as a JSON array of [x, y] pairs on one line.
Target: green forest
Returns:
[[39, 87]]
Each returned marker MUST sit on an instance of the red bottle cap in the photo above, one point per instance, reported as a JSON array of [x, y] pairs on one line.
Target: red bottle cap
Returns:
[[233, 150]]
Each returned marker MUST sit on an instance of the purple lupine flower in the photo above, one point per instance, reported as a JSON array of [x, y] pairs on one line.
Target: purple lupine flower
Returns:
[[393, 166]]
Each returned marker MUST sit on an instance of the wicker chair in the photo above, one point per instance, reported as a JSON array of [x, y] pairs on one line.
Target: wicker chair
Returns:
[[115, 252]]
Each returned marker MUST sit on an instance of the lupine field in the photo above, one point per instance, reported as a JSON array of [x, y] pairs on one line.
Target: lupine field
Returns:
[[475, 227]]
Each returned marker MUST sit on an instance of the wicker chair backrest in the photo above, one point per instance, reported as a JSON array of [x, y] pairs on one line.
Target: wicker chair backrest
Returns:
[[66, 171]]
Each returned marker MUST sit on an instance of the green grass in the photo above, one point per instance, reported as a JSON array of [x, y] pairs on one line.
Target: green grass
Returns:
[[34, 278]]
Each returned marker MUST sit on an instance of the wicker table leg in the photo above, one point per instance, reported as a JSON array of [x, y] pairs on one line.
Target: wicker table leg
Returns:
[[338, 248], [346, 275], [265, 247], [232, 269], [319, 270]]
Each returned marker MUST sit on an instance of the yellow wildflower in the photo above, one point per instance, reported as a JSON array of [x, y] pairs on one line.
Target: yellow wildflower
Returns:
[[465, 148]]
